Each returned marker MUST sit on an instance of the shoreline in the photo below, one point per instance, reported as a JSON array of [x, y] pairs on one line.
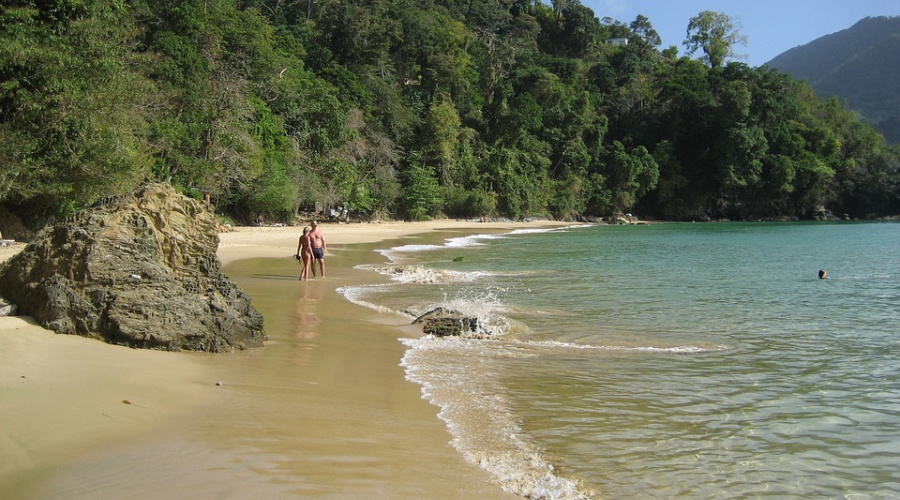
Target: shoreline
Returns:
[[243, 242], [116, 400]]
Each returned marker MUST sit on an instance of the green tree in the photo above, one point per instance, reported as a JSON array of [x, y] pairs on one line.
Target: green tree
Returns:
[[440, 133], [629, 174], [369, 179], [579, 28], [416, 107], [715, 34], [422, 194], [644, 32], [519, 177], [274, 193], [210, 52], [74, 103]]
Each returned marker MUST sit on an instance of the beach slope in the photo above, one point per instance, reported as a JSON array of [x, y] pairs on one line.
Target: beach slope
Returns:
[[323, 411]]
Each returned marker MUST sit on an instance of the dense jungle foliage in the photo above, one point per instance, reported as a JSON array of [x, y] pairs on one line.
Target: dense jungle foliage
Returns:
[[414, 109]]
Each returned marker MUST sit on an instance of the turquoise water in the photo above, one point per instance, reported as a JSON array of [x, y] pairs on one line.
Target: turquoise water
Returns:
[[669, 360]]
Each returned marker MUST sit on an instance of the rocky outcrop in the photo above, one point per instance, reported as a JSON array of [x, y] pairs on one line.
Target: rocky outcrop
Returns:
[[7, 309], [11, 226], [822, 213], [138, 270], [442, 322]]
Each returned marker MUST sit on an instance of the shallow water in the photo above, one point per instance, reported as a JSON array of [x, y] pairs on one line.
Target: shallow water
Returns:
[[322, 412], [671, 360]]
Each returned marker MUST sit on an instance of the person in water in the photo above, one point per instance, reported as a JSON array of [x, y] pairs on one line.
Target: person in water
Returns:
[[304, 253], [317, 242], [823, 275]]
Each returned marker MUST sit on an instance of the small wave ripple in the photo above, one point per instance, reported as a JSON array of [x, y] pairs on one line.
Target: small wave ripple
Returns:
[[484, 428], [457, 375]]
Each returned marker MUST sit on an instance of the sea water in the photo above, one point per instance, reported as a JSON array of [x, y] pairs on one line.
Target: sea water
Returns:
[[664, 360]]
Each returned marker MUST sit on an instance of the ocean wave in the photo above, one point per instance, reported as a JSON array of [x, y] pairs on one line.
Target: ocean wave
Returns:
[[425, 275], [548, 229], [682, 349], [484, 428], [482, 303], [531, 348], [355, 295], [458, 242], [475, 409], [411, 248], [473, 240]]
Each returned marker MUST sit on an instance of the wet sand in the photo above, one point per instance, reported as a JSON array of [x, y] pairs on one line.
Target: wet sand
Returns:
[[323, 411]]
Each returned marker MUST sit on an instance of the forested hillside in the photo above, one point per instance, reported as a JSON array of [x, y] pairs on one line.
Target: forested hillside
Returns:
[[858, 65], [414, 109]]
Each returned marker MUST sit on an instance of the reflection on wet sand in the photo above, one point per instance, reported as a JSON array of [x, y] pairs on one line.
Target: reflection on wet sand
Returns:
[[307, 311]]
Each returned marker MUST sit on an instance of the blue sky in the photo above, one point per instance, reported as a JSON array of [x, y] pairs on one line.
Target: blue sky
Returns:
[[771, 26]]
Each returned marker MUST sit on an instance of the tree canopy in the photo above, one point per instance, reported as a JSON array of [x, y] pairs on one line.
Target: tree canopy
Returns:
[[713, 33], [415, 109]]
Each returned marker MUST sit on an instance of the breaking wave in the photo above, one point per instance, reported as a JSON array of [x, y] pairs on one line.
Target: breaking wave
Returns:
[[425, 275]]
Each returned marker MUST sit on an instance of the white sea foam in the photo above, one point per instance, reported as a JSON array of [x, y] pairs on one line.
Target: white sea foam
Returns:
[[548, 229], [484, 303], [472, 240], [682, 349], [484, 429], [425, 275], [475, 409], [481, 302], [459, 242], [355, 295], [413, 248]]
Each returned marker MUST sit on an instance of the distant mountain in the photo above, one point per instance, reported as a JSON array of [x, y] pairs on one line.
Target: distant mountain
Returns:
[[859, 65]]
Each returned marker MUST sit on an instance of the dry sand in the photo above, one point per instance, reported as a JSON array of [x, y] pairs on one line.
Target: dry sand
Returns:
[[323, 411]]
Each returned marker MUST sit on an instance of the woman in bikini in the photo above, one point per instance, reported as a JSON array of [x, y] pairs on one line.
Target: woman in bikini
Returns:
[[304, 253]]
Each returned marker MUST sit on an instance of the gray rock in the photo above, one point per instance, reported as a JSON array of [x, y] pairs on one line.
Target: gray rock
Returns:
[[442, 322], [822, 213], [138, 270]]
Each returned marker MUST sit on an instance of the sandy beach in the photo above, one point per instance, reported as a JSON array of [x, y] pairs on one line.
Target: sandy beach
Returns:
[[323, 411]]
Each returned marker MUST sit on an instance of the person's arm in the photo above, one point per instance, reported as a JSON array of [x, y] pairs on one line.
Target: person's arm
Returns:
[[299, 246]]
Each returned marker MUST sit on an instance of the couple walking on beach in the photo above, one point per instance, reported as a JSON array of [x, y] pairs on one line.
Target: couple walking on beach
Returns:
[[311, 246]]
